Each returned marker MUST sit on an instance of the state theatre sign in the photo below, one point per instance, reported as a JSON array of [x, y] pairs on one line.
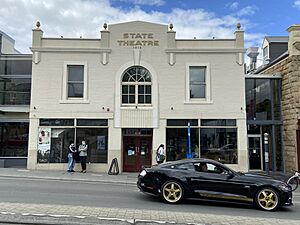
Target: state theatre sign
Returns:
[[138, 39]]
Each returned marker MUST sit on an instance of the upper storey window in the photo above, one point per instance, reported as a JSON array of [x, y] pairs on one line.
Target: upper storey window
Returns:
[[75, 81], [136, 86]]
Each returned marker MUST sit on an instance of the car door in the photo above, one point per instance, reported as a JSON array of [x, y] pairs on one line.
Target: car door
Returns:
[[217, 182]]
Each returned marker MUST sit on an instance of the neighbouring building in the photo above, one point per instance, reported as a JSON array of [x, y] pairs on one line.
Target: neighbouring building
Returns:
[[130, 91], [15, 85], [277, 87]]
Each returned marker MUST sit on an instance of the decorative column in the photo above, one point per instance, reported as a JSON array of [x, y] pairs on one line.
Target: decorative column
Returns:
[[37, 35], [239, 44]]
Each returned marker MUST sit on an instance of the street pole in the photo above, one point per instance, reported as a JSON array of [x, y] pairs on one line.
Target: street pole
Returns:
[[266, 147]]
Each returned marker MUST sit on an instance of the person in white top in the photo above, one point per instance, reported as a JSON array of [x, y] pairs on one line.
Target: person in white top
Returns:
[[160, 154], [83, 155]]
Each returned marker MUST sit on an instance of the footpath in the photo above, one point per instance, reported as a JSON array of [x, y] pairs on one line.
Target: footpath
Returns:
[[128, 216]]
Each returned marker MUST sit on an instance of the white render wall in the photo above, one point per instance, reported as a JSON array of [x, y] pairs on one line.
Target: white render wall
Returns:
[[168, 87]]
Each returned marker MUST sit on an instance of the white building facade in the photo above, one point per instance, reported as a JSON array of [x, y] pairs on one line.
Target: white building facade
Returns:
[[130, 91]]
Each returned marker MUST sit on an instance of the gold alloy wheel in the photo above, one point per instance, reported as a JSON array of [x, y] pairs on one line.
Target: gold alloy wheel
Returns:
[[267, 199], [172, 191]]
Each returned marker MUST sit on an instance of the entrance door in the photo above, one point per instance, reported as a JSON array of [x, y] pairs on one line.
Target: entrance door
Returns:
[[255, 152], [137, 151]]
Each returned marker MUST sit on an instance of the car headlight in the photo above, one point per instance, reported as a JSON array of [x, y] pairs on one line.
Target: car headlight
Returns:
[[143, 173], [284, 187]]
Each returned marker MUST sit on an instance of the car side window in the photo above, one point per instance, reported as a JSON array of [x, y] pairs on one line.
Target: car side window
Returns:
[[185, 166], [210, 168]]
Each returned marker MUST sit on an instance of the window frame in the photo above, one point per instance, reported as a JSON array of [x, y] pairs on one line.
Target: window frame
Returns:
[[136, 85], [207, 98], [65, 97]]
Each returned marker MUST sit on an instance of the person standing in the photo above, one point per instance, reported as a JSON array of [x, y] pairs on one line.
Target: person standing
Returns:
[[83, 155], [160, 154], [71, 160]]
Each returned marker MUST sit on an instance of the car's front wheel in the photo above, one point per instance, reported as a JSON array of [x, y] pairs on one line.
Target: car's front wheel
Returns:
[[267, 199], [172, 191]]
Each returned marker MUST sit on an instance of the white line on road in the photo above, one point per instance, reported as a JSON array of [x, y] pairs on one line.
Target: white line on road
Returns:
[[7, 213], [60, 216], [80, 217], [118, 219]]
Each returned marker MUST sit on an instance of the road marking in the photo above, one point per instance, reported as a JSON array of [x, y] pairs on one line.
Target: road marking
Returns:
[[8, 213], [118, 219], [60, 216], [80, 217], [38, 214]]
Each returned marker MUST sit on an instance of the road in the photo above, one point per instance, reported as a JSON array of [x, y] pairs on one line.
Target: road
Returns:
[[91, 194]]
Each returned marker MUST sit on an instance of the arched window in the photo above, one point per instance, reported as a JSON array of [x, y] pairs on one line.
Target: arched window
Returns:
[[136, 86]]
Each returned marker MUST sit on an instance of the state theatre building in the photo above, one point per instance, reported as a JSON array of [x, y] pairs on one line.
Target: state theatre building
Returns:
[[133, 89]]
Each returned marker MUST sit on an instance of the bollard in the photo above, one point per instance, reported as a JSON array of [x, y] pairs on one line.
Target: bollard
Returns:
[[266, 148]]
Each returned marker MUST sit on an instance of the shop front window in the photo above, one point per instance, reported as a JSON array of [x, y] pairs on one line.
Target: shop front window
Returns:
[[14, 139], [177, 143], [219, 144], [54, 139], [97, 141], [60, 141]]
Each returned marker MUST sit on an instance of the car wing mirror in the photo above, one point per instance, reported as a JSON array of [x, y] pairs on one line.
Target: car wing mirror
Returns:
[[230, 175]]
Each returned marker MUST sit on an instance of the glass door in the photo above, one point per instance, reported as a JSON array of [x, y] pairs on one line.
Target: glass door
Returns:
[[255, 152]]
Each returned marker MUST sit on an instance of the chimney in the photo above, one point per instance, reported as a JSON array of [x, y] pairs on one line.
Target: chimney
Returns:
[[294, 39], [252, 53]]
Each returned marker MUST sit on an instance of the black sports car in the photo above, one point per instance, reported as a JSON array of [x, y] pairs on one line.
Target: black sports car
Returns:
[[208, 179]]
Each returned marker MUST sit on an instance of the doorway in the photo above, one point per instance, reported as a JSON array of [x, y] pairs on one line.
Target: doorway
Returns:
[[137, 149], [255, 152]]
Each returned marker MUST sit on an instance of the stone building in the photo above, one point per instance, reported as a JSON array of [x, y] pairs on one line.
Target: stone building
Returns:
[[287, 64]]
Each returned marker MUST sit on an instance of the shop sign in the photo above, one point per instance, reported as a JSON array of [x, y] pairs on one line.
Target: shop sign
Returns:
[[138, 39]]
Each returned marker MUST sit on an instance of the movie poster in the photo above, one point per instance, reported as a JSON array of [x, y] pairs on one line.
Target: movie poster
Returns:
[[101, 143], [44, 145]]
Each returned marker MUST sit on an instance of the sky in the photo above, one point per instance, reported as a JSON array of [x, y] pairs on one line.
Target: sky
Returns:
[[191, 18]]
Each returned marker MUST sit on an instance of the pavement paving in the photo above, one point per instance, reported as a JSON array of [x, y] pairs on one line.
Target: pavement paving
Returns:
[[123, 178], [131, 216]]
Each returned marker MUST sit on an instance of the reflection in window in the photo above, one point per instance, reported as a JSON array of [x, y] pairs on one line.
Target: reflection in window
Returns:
[[97, 141], [14, 91], [75, 81], [197, 81], [15, 67], [263, 99], [177, 143], [14, 139], [60, 141], [219, 144], [136, 86]]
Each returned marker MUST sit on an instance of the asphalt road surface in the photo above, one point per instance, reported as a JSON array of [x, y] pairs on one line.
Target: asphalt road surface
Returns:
[[25, 190]]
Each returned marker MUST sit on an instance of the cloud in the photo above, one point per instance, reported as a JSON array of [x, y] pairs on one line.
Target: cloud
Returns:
[[248, 10], [297, 4], [233, 6], [86, 17], [145, 2]]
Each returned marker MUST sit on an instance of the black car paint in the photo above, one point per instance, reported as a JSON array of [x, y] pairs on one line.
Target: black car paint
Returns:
[[233, 186]]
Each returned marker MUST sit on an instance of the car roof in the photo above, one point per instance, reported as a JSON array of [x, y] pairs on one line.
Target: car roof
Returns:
[[194, 160], [182, 161]]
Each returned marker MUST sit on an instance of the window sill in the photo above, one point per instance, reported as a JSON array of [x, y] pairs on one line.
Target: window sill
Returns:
[[198, 102], [74, 101], [136, 106]]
